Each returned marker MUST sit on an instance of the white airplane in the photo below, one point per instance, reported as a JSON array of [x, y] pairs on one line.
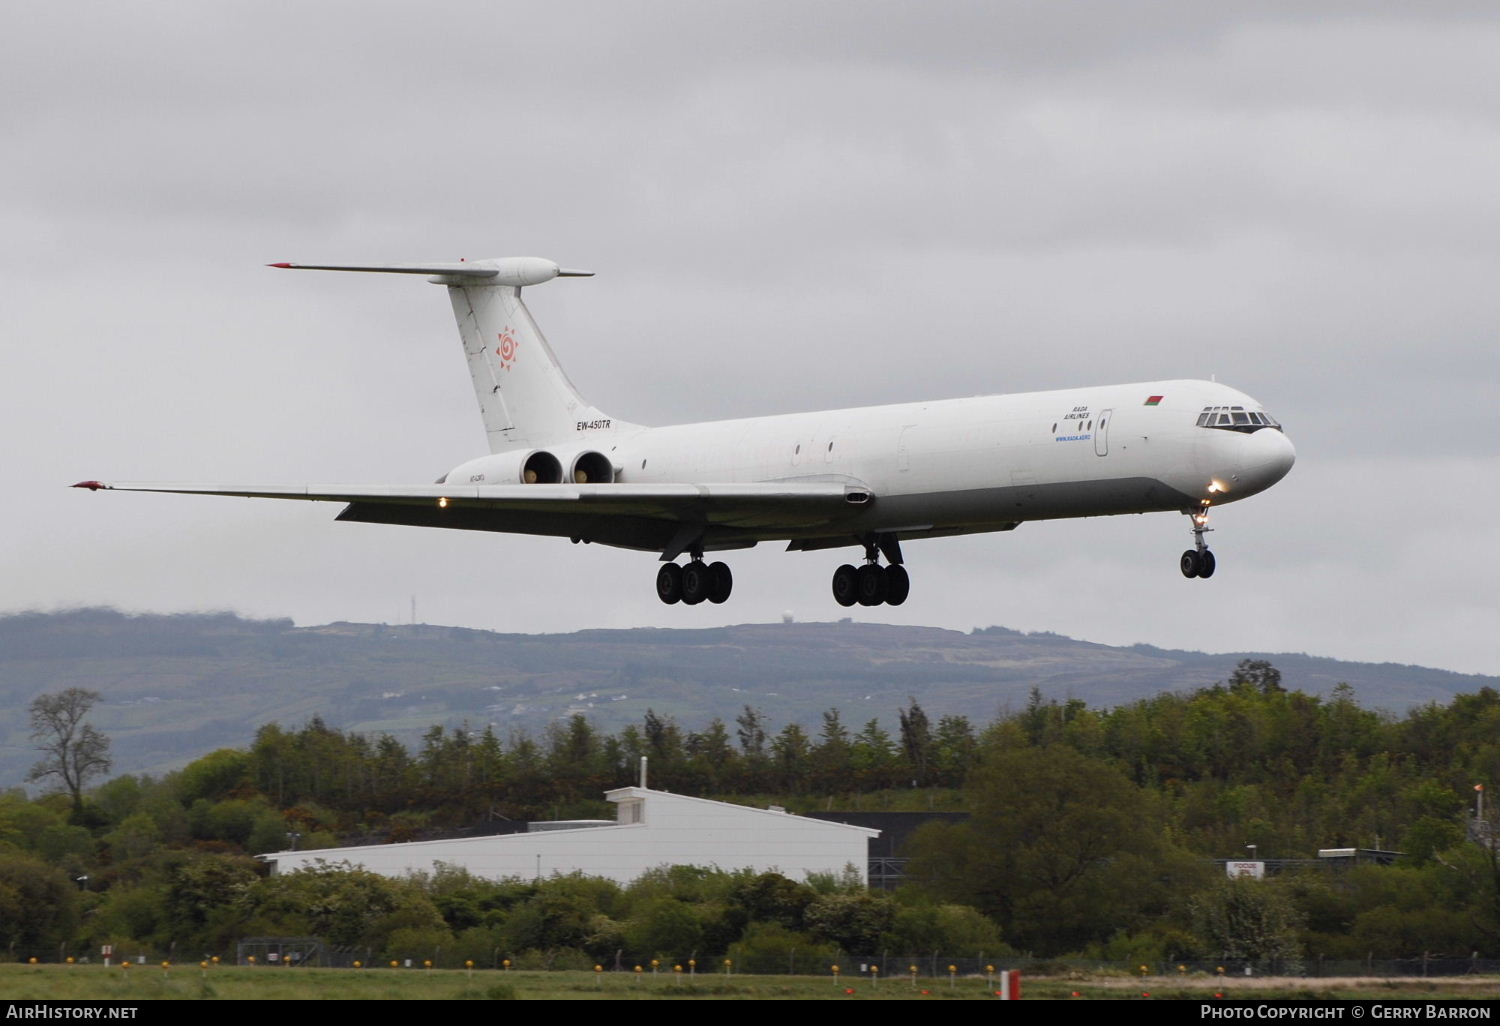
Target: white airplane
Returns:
[[871, 477]]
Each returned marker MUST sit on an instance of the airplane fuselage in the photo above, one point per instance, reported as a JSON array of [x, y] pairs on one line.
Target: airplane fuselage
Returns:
[[958, 466]]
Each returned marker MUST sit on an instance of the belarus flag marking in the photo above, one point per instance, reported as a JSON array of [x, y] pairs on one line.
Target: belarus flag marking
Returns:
[[1154, 400]]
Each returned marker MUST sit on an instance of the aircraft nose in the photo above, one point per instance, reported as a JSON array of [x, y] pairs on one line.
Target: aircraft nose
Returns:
[[1269, 458]]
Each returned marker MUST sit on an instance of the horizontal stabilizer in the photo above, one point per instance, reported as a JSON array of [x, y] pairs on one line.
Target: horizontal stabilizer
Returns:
[[515, 272], [448, 270]]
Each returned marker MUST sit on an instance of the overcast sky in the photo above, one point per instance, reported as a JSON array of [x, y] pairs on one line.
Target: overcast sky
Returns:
[[789, 207]]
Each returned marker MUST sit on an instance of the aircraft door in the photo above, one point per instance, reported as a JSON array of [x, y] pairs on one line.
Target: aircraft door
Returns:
[[1101, 432], [903, 448]]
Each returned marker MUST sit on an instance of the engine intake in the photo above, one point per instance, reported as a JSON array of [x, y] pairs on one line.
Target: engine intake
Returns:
[[591, 468], [541, 467]]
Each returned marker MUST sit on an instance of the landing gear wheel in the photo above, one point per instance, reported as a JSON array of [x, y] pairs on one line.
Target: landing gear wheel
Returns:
[[1198, 561], [871, 585], [697, 582], [1190, 564], [845, 593], [669, 583], [721, 582], [897, 585]]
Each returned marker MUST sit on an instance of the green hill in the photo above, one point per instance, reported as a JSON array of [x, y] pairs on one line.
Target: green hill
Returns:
[[176, 686]]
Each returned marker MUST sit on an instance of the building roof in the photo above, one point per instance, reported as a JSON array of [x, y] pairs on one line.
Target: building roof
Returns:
[[652, 829], [621, 794]]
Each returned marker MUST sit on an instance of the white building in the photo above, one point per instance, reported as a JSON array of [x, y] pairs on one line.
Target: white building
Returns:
[[651, 829]]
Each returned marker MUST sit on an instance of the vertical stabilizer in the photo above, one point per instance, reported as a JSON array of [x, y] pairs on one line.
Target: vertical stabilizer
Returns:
[[525, 397]]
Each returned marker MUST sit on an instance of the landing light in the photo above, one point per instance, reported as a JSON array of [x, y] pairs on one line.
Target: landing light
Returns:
[[1215, 486], [443, 502]]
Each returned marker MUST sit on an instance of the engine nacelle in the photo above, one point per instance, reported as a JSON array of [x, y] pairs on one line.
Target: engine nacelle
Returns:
[[522, 466], [534, 466]]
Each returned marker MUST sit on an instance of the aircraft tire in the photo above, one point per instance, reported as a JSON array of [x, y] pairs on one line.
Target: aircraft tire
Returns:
[[1206, 564], [871, 584], [697, 582], [721, 582], [669, 583], [844, 591], [897, 585], [1189, 563]]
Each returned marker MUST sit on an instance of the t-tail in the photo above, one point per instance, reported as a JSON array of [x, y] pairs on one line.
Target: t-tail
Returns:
[[525, 397]]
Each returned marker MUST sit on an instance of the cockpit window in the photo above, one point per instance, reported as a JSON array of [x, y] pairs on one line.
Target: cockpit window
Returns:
[[1236, 418]]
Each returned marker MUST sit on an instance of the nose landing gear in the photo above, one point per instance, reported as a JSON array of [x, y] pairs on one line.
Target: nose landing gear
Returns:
[[1198, 561]]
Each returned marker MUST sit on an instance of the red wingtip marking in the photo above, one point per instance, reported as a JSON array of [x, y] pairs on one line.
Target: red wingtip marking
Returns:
[[279, 265], [92, 486]]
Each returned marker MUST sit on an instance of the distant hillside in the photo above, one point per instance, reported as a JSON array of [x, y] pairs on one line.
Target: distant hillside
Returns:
[[175, 687]]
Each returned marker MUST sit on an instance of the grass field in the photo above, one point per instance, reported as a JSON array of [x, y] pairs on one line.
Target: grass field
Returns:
[[95, 982]]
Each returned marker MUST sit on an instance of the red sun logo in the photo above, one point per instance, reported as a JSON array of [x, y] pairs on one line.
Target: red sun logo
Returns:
[[507, 348]]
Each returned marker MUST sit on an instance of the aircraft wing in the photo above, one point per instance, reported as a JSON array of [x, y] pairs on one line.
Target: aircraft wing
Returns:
[[643, 516]]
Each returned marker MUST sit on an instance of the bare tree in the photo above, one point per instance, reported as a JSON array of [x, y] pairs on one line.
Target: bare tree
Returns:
[[72, 750]]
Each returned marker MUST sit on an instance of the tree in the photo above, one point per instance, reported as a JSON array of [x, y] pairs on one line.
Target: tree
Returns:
[[855, 922], [1249, 920], [872, 757], [711, 757], [916, 742], [38, 906], [954, 747], [1061, 850], [347, 907], [73, 750], [752, 732], [664, 926], [1258, 675], [831, 756]]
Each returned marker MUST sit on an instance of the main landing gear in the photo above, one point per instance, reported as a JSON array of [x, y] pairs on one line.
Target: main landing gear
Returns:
[[1198, 561], [873, 584], [694, 582]]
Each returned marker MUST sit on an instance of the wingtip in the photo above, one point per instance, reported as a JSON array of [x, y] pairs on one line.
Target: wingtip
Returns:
[[283, 264], [92, 486]]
